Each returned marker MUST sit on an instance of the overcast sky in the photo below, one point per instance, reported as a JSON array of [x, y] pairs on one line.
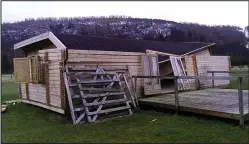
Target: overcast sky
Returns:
[[209, 13]]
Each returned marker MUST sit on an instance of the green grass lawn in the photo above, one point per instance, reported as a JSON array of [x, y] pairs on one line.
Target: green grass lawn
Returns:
[[28, 123], [234, 83], [9, 91]]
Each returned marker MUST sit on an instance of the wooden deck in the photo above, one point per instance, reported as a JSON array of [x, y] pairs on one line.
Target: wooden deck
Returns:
[[215, 102]]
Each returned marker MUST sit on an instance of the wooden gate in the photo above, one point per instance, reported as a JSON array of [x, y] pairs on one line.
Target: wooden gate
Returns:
[[151, 68], [93, 92]]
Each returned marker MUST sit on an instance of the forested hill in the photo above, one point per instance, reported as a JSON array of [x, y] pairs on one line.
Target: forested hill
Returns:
[[125, 28]]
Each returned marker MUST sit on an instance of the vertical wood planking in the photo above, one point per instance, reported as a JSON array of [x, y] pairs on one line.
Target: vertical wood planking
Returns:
[[196, 82], [62, 87], [46, 77]]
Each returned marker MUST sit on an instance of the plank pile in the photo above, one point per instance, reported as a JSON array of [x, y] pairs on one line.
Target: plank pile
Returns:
[[93, 92]]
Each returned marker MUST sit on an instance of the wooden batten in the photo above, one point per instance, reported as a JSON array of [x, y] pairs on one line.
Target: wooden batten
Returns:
[[27, 90], [46, 78], [230, 64], [20, 91], [196, 82], [62, 90]]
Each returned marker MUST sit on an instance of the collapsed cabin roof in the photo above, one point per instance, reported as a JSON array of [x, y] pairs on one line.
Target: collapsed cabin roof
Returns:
[[81, 42]]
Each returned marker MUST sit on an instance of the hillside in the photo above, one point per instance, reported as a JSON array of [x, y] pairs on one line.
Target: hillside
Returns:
[[126, 28]]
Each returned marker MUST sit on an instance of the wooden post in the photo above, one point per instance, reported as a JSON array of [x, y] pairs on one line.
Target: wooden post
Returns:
[[135, 89], [27, 90], [129, 89], [20, 91], [46, 75], [241, 105], [135, 84], [213, 80], [176, 94]]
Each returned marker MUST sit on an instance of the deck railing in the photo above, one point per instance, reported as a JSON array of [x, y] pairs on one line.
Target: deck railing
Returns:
[[175, 78], [213, 72]]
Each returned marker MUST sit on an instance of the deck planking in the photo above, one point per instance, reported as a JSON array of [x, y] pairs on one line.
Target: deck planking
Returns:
[[216, 102]]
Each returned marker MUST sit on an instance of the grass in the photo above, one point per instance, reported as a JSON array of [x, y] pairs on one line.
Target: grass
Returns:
[[27, 123], [9, 91], [234, 84]]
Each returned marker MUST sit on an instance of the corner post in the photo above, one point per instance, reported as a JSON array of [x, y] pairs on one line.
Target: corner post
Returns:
[[176, 94], [213, 79], [241, 105], [46, 75]]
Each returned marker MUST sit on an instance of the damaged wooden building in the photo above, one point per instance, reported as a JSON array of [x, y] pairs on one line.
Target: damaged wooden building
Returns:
[[40, 62]]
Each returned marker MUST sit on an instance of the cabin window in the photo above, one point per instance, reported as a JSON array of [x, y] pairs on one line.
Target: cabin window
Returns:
[[36, 70]]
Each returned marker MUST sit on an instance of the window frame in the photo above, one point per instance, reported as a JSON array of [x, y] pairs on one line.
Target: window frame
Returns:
[[36, 72]]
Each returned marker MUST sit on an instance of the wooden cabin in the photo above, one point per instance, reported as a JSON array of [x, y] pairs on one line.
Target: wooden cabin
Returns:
[[40, 61]]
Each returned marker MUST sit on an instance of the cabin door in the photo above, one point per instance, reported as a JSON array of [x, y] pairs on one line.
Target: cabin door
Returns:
[[178, 70], [151, 68]]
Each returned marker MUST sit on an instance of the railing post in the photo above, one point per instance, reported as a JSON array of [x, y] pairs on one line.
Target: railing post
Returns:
[[213, 80], [135, 84], [241, 105], [176, 94], [135, 89]]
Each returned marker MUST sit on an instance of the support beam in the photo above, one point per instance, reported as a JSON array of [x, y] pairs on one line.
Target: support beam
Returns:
[[160, 53], [46, 78], [176, 95], [213, 80], [241, 106]]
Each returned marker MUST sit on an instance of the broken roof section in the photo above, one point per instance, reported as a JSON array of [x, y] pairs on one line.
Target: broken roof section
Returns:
[[114, 44]]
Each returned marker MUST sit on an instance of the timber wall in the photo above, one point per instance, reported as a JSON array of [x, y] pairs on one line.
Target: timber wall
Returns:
[[213, 63], [49, 94], [109, 59], [191, 66]]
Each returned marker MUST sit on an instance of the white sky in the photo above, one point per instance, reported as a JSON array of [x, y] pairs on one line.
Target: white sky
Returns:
[[209, 13]]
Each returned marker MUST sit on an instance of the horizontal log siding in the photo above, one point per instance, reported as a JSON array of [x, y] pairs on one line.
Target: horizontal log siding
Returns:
[[213, 63], [37, 92], [109, 59], [191, 68]]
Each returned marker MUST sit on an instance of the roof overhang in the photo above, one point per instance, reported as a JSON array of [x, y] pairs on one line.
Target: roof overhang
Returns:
[[46, 35], [191, 52]]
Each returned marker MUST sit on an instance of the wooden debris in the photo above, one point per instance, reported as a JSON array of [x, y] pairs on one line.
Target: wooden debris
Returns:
[[3, 108]]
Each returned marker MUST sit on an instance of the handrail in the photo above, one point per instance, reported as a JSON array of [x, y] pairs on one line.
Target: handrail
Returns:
[[238, 78], [193, 77]]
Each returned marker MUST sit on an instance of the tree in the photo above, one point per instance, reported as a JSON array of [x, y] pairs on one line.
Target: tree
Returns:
[[177, 35], [159, 37]]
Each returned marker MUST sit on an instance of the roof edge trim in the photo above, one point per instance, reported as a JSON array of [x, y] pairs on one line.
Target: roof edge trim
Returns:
[[56, 41], [47, 35], [201, 48]]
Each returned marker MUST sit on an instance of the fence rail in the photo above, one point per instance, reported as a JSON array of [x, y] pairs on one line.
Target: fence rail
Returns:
[[213, 72], [238, 78]]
